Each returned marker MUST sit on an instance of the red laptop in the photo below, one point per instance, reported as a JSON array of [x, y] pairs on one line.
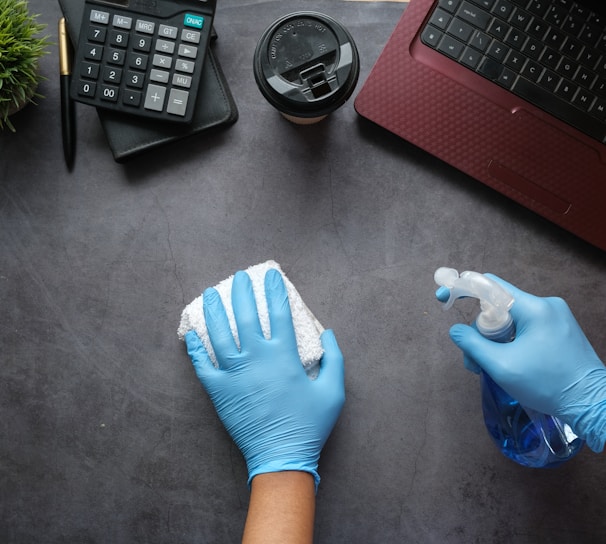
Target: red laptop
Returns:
[[512, 92]]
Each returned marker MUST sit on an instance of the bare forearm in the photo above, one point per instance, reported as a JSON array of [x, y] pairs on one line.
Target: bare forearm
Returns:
[[282, 509]]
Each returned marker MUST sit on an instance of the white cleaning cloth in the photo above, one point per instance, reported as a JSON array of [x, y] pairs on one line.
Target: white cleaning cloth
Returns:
[[307, 328]]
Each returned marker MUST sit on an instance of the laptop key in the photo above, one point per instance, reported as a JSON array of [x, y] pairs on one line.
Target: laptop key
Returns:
[[471, 58], [538, 29], [498, 29], [479, 40], [503, 9], [598, 110], [520, 19], [567, 68], [449, 5], [440, 19], [460, 29], [551, 58], [516, 38], [549, 80], [431, 36], [451, 47], [538, 7], [506, 78], [490, 69], [533, 48], [486, 4], [567, 90], [584, 99], [599, 87], [532, 70], [475, 16], [497, 51]]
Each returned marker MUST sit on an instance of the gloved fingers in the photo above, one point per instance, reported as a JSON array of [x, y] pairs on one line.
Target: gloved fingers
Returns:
[[476, 348], [332, 368], [443, 293], [278, 305], [219, 330], [245, 309], [198, 355]]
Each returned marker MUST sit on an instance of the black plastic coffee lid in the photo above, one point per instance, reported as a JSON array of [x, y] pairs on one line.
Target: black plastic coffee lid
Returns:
[[306, 64]]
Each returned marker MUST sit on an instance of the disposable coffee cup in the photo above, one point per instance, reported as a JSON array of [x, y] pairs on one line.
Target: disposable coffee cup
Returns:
[[306, 65]]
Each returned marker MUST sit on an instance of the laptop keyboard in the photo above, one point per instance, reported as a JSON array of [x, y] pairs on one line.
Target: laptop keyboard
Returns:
[[550, 53]]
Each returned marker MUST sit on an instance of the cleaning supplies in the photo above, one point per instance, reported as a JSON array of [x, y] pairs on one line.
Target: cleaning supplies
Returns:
[[524, 435], [307, 328]]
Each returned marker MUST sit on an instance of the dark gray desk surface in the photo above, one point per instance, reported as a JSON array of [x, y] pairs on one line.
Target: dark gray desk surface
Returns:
[[105, 434]]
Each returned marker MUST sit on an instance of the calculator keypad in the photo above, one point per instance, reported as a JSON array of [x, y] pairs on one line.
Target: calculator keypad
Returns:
[[140, 64]]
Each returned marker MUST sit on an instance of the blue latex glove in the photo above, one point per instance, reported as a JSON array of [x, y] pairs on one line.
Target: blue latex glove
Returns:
[[277, 416], [550, 366]]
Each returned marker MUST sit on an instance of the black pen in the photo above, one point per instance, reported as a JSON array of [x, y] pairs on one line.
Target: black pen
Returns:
[[68, 119]]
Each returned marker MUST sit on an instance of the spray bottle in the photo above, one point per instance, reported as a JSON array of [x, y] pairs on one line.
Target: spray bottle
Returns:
[[524, 435]]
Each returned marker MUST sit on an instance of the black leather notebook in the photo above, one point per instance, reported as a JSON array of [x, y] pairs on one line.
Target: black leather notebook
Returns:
[[129, 136]]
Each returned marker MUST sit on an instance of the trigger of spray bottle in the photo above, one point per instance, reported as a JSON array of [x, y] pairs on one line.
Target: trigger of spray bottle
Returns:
[[494, 320], [526, 436]]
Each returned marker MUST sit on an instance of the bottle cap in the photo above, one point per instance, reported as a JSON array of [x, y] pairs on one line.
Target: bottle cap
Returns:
[[306, 65]]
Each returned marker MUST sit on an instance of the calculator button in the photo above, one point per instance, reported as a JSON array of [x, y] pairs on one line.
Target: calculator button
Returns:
[[162, 61], [119, 39], [188, 51], [96, 34], [170, 32], [166, 47], [154, 97], [181, 80], [132, 98], [87, 88], [185, 66], [145, 27], [159, 76], [137, 61], [177, 102], [120, 21], [94, 52], [142, 43], [116, 56], [109, 93], [191, 36], [112, 75], [100, 17], [193, 21], [135, 79], [89, 70]]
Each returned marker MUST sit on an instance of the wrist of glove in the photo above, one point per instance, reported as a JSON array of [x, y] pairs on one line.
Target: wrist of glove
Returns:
[[587, 415], [276, 415], [550, 366]]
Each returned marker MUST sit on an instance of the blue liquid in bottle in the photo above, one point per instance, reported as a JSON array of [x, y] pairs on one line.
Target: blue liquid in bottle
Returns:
[[526, 436]]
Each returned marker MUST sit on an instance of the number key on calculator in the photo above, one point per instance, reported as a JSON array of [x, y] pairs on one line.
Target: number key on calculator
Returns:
[[145, 59]]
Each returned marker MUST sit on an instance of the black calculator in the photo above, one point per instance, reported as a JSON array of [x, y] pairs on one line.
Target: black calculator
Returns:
[[142, 57]]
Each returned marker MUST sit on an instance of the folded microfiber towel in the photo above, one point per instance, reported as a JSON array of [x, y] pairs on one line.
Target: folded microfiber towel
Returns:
[[307, 328]]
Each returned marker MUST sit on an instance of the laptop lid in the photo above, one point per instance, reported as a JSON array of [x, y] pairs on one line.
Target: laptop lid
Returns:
[[486, 131]]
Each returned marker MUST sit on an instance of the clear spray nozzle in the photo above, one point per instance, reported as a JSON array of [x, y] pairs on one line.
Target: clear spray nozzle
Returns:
[[495, 301]]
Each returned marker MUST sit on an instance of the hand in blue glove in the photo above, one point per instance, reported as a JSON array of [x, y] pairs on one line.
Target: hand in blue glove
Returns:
[[277, 416], [550, 366]]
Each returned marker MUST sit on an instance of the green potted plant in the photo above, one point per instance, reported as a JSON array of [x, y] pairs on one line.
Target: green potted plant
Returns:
[[21, 46]]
